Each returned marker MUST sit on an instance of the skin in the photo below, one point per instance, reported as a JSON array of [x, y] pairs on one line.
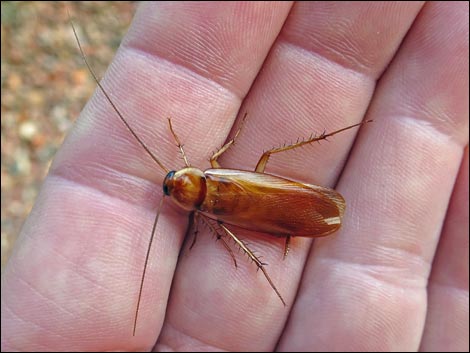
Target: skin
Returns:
[[395, 277]]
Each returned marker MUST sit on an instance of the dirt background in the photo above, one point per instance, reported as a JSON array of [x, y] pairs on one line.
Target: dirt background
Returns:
[[45, 85]]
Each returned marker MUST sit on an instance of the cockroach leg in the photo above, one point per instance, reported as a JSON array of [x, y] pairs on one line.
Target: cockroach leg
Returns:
[[219, 237], [227, 247], [225, 147], [178, 143], [193, 221], [253, 257], [261, 166], [286, 246]]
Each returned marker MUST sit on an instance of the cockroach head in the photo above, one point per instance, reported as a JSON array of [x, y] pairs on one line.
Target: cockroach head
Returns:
[[186, 187]]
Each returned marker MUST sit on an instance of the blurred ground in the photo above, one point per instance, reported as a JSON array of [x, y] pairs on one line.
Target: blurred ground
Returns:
[[45, 85]]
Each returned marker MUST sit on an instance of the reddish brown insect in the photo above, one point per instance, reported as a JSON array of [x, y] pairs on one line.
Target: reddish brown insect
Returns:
[[264, 202]]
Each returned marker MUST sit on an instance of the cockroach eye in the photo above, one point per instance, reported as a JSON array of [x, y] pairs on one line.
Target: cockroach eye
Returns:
[[168, 177]]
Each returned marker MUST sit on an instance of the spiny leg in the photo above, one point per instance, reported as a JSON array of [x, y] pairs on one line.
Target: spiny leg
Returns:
[[225, 147], [254, 258], [286, 247], [221, 238], [178, 143], [261, 166]]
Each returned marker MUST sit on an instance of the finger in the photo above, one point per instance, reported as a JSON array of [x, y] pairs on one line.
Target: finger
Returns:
[[89, 230], [366, 288], [446, 327], [302, 88]]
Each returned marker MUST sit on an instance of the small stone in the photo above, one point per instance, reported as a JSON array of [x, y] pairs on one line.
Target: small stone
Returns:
[[28, 130], [21, 164]]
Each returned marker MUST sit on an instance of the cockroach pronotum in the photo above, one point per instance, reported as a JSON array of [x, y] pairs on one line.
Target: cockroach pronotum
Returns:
[[264, 201]]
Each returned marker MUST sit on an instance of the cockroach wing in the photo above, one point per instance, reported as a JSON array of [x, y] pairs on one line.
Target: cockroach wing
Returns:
[[271, 204]]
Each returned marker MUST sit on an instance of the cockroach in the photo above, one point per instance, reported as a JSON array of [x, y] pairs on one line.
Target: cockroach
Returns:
[[264, 202]]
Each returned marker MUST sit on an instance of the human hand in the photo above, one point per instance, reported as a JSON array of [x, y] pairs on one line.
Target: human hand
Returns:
[[395, 277]]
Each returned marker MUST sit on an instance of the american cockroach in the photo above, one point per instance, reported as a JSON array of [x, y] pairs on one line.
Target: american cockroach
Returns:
[[264, 202]]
